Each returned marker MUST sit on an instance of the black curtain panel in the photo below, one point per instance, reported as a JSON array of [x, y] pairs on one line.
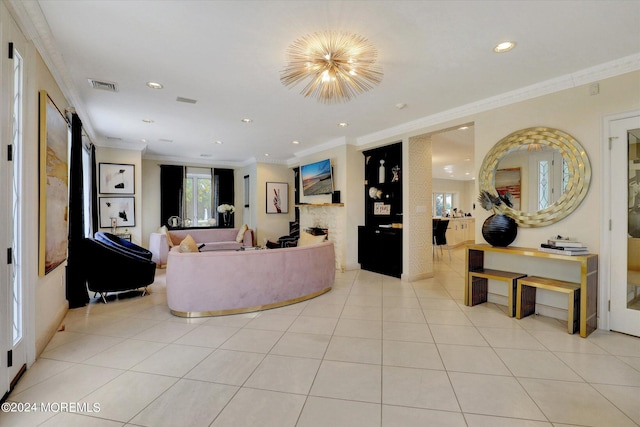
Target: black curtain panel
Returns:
[[76, 289], [171, 192], [94, 192], [225, 191]]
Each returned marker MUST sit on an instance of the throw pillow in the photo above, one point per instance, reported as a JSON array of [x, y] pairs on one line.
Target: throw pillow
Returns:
[[240, 236], [165, 230], [307, 239], [188, 244]]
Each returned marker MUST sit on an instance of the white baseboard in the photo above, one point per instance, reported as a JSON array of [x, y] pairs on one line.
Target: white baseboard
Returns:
[[47, 335], [415, 277]]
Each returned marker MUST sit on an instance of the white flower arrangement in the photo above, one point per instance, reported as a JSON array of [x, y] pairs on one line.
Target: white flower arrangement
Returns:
[[225, 208]]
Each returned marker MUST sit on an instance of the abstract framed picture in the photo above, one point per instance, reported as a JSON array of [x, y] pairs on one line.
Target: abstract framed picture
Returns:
[[115, 178], [277, 197], [508, 180], [54, 182], [122, 209]]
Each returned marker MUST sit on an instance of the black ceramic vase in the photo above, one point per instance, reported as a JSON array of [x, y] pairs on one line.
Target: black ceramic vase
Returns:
[[499, 230]]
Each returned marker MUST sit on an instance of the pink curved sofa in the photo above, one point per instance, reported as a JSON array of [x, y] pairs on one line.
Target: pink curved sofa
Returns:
[[222, 238], [228, 282]]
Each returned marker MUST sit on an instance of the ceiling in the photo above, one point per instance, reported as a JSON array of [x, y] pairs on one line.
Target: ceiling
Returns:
[[227, 55]]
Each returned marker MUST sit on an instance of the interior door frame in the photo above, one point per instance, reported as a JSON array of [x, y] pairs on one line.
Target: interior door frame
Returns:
[[10, 32], [604, 294]]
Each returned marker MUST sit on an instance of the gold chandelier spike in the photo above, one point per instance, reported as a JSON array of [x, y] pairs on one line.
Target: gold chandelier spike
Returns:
[[339, 66]]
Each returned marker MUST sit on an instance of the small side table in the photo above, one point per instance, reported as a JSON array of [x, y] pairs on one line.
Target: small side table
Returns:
[[125, 236]]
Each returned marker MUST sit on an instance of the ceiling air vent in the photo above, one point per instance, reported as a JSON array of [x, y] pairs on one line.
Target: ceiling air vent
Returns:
[[186, 100], [103, 85]]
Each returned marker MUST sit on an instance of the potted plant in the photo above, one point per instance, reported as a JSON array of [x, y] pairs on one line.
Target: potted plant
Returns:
[[226, 210], [499, 229]]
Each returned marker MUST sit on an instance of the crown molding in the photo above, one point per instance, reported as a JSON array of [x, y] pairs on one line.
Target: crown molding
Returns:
[[337, 142], [207, 161], [589, 75], [29, 17], [35, 28], [119, 145]]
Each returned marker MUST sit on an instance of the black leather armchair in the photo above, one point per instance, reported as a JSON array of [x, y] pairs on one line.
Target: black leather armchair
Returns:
[[122, 244], [111, 268]]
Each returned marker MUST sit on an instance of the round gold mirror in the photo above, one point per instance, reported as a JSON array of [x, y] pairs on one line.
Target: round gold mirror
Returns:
[[546, 170]]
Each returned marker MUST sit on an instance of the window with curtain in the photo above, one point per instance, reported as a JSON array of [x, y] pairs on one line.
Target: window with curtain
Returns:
[[194, 193], [200, 196]]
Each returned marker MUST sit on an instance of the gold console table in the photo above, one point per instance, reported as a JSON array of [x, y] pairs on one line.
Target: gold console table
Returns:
[[474, 261]]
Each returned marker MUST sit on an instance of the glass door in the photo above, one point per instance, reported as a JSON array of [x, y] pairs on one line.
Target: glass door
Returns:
[[625, 226], [12, 333]]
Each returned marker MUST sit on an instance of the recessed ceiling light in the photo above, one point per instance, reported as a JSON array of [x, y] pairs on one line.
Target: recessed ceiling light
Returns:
[[401, 106], [143, 140], [266, 154], [154, 85], [295, 142], [504, 47], [467, 173], [219, 142], [343, 124], [246, 120], [147, 120]]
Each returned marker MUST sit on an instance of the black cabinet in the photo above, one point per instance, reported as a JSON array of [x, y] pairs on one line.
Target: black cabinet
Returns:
[[380, 239], [380, 250], [383, 186]]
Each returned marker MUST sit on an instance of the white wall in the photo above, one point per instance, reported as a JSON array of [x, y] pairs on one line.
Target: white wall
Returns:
[[352, 195], [579, 114], [471, 197], [271, 226], [50, 295], [464, 199], [129, 157], [348, 178], [246, 215], [150, 195]]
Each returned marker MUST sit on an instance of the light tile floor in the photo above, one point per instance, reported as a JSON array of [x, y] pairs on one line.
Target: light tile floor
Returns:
[[372, 352]]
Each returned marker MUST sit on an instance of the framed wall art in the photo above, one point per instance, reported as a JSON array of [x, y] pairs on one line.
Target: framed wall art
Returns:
[[379, 208], [115, 178], [54, 182], [277, 197], [121, 208], [508, 180]]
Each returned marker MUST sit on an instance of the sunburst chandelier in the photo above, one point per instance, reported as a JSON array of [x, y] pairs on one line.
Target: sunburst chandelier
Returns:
[[339, 66]]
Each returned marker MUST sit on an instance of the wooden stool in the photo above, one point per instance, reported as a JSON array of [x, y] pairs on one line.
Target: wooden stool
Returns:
[[479, 283], [526, 298]]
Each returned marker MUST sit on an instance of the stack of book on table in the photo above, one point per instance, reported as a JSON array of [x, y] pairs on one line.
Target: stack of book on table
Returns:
[[564, 247]]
